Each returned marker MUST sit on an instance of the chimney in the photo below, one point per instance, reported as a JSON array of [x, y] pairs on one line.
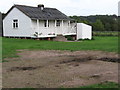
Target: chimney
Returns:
[[41, 6]]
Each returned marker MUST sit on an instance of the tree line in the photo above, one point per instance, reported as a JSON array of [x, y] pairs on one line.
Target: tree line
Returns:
[[100, 22]]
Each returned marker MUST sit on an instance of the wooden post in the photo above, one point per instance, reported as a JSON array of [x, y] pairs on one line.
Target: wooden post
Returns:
[[62, 27], [55, 23], [38, 25], [62, 23], [69, 23], [47, 23]]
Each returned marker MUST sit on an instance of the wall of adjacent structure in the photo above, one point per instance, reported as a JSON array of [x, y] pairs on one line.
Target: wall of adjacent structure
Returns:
[[24, 23], [119, 8], [84, 31], [1, 24]]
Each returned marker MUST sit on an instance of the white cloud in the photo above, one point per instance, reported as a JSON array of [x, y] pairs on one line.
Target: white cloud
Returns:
[[69, 7]]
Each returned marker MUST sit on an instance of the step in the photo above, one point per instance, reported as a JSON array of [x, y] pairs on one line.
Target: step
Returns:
[[60, 38]]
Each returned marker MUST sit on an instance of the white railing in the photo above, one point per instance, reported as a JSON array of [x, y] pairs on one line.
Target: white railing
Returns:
[[53, 31]]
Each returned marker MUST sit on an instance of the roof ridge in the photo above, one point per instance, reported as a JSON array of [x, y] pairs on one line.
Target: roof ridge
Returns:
[[49, 8], [23, 5], [32, 6]]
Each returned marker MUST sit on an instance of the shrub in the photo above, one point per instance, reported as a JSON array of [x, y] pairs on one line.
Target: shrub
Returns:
[[70, 38]]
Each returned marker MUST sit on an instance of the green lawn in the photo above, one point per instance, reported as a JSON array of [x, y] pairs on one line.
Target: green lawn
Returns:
[[10, 45], [105, 85], [102, 85]]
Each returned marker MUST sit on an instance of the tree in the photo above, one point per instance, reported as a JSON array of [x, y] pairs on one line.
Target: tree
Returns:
[[98, 26], [114, 27], [108, 27], [100, 22]]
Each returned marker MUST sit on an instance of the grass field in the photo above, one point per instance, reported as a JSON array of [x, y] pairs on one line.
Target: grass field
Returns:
[[102, 85], [106, 86], [10, 45]]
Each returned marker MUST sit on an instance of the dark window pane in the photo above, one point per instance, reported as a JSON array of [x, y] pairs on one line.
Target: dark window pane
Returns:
[[13, 25], [16, 25], [45, 23], [15, 20]]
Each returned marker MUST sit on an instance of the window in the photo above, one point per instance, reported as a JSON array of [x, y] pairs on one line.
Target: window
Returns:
[[46, 23], [15, 23], [58, 23]]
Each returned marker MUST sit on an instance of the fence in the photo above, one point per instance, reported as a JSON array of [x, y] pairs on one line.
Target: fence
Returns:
[[106, 33]]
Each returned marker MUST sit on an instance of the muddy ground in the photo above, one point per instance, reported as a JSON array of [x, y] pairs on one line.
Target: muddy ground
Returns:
[[54, 69]]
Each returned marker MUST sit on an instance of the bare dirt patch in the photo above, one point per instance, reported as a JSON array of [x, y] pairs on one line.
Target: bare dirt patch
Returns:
[[54, 69]]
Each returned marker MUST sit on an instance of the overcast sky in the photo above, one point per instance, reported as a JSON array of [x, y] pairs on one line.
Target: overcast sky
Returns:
[[69, 7]]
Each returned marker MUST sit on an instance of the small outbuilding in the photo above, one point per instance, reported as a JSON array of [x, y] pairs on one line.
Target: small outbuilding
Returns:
[[84, 31]]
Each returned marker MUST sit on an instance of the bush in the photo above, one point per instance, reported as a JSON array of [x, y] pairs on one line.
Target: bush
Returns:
[[70, 38]]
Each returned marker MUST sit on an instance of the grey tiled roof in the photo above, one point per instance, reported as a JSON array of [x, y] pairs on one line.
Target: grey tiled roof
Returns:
[[45, 14]]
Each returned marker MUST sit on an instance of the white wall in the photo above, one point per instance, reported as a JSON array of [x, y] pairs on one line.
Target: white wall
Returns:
[[84, 31], [24, 23]]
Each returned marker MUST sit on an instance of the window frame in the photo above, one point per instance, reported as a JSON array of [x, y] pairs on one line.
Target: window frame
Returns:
[[15, 23], [57, 23]]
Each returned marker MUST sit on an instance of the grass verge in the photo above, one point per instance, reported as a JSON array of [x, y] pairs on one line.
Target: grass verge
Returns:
[[101, 86], [10, 45]]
